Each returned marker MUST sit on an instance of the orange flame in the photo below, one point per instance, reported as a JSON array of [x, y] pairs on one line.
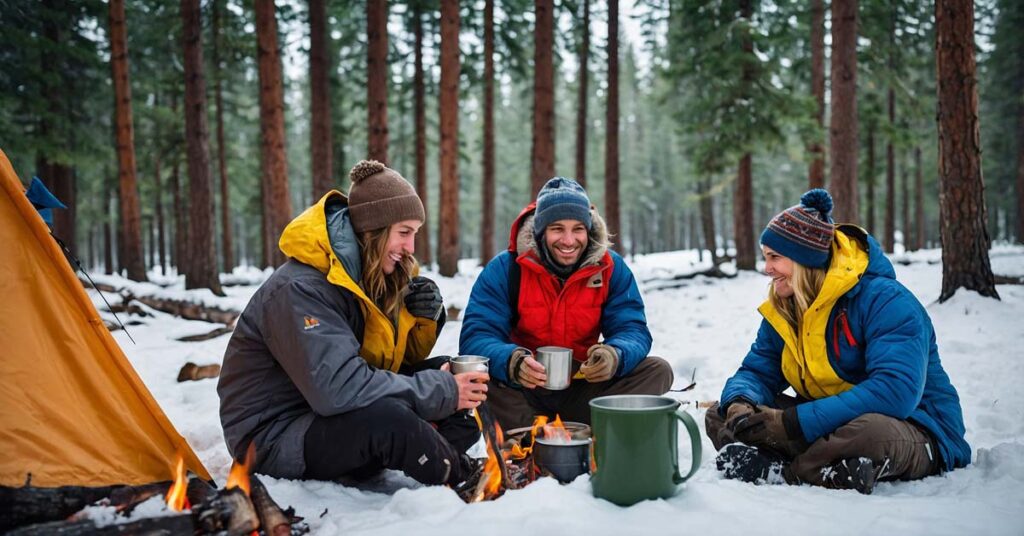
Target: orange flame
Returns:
[[176, 498], [239, 476], [491, 474], [556, 431]]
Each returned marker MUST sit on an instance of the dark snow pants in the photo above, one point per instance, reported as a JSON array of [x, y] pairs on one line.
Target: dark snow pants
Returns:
[[388, 435], [516, 408], [900, 450]]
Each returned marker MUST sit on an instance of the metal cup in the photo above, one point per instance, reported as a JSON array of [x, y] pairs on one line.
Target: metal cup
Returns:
[[469, 363], [557, 363]]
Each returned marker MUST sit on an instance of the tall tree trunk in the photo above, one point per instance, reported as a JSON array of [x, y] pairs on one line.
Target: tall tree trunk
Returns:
[[816, 173], [581, 111], [448, 228], [377, 79], [227, 242], [1020, 166], [420, 113], [743, 216], [320, 135], [201, 251], [905, 202], [180, 219], [843, 123], [889, 240], [487, 208], [965, 240], [869, 222], [707, 218], [131, 213], [273, 159], [108, 246], [611, 140], [743, 201], [158, 209], [919, 199], [57, 176], [542, 150]]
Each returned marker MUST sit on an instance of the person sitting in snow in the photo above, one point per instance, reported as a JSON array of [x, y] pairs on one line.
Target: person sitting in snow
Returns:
[[322, 371], [873, 401], [559, 284]]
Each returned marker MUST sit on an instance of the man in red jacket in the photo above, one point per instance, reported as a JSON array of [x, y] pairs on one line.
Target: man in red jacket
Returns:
[[559, 284]]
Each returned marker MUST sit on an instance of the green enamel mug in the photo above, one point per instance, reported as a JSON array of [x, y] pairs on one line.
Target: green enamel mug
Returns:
[[635, 449]]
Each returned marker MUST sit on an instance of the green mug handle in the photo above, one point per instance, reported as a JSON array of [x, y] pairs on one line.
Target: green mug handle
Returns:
[[691, 428]]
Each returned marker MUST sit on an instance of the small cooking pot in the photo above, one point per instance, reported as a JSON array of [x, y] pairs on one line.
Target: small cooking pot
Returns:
[[564, 460]]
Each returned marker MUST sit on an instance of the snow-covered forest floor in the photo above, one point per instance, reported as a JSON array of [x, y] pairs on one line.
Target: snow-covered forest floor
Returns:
[[706, 325]]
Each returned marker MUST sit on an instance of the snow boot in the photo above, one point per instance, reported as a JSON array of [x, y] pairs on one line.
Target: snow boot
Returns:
[[851, 473], [750, 464]]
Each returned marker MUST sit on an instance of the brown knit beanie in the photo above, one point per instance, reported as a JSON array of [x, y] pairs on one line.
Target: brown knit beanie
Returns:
[[379, 197]]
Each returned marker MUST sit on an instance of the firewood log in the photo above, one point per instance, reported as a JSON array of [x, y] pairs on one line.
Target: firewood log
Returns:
[[29, 504], [193, 372], [177, 524], [272, 519]]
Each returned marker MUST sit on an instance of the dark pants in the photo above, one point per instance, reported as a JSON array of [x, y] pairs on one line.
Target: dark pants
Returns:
[[516, 408], [388, 435], [900, 449]]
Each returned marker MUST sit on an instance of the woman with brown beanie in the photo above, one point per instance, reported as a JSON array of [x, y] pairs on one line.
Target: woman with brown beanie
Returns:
[[327, 370], [873, 401]]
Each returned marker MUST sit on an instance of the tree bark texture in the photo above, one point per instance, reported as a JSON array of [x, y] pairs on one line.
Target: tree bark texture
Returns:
[[542, 151], [889, 231], [320, 138], [843, 122], [816, 172], [158, 210], [448, 228], [1020, 168], [582, 91], [201, 248], [611, 143], [487, 204], [743, 216], [707, 218], [965, 240], [377, 79], [273, 158], [131, 212], [420, 112], [869, 222], [919, 235], [227, 242], [905, 202]]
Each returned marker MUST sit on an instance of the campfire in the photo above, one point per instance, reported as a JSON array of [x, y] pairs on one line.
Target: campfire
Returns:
[[528, 453], [184, 506]]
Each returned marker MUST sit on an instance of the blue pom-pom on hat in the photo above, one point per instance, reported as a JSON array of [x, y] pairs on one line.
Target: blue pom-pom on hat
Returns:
[[820, 200]]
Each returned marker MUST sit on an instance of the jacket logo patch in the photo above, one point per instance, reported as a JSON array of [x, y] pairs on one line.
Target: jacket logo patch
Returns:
[[310, 322], [595, 281]]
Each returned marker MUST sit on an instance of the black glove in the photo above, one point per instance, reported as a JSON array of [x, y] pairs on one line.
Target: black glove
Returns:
[[424, 299], [771, 428]]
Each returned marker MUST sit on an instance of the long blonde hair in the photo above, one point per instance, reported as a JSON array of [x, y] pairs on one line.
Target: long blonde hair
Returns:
[[806, 283], [384, 289]]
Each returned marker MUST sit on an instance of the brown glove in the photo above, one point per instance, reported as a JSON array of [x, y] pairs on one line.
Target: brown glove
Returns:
[[524, 370], [773, 429], [602, 362], [736, 409]]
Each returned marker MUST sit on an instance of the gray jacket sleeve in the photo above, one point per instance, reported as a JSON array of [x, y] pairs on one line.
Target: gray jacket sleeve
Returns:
[[321, 356]]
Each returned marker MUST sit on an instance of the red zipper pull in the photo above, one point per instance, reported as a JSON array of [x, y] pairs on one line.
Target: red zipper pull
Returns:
[[846, 330]]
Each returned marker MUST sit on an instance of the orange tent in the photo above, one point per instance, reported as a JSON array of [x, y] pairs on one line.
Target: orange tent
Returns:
[[73, 411]]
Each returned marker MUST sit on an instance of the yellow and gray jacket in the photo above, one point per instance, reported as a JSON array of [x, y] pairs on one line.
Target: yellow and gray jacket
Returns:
[[310, 342]]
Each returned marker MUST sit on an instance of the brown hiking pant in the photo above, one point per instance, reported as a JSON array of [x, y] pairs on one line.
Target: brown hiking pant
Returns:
[[900, 449], [516, 408]]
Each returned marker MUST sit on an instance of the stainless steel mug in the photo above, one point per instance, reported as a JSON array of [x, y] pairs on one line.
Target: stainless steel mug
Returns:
[[557, 363], [469, 363]]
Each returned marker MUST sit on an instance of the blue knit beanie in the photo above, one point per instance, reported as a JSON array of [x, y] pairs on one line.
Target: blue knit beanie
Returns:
[[803, 232], [561, 198]]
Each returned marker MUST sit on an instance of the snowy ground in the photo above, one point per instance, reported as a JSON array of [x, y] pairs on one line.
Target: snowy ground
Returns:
[[706, 325]]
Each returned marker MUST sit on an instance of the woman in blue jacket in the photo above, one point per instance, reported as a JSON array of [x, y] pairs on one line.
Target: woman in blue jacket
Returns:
[[873, 401]]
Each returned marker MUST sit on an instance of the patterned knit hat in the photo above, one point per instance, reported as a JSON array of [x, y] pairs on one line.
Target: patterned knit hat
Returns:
[[379, 197], [803, 232], [561, 198]]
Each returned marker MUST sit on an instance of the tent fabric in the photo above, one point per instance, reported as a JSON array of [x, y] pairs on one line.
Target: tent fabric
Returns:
[[73, 411]]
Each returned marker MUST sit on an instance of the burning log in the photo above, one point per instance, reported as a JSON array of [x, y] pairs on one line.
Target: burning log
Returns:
[[28, 504], [272, 519], [199, 491], [193, 372], [176, 524]]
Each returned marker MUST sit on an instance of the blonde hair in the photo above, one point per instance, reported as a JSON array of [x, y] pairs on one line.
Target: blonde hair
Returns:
[[806, 283], [384, 289]]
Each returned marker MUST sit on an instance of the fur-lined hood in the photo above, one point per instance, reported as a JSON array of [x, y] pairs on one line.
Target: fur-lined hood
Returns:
[[522, 239]]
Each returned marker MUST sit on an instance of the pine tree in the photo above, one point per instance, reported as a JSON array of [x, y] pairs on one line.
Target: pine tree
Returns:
[[448, 228]]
